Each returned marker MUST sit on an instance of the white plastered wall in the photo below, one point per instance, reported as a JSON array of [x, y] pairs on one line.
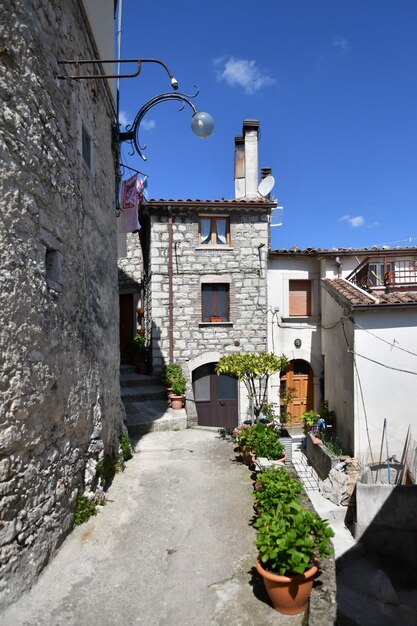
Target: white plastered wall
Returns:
[[383, 387]]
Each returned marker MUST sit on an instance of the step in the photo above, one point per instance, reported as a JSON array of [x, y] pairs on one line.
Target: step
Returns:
[[142, 393], [133, 379], [155, 415]]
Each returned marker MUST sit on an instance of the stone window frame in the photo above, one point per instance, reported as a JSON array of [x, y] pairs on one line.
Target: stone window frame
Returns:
[[213, 245]]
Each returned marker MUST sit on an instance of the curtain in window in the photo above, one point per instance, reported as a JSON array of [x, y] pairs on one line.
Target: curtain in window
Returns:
[[205, 230], [221, 231]]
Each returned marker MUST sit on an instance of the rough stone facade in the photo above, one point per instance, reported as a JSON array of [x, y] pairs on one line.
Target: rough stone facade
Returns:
[[60, 403], [131, 266], [242, 265]]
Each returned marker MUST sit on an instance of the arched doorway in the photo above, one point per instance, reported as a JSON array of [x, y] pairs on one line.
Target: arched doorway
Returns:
[[215, 397], [297, 391]]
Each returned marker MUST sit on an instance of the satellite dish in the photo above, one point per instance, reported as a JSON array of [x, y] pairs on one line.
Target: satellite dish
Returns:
[[266, 185]]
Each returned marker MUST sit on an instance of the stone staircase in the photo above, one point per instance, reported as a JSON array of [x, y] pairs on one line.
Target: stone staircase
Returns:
[[146, 405]]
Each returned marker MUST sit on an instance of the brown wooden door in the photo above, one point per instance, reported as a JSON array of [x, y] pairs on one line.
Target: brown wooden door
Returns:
[[126, 323], [298, 380], [215, 397]]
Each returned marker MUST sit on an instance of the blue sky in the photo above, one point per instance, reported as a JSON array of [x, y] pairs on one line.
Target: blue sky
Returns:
[[333, 84]]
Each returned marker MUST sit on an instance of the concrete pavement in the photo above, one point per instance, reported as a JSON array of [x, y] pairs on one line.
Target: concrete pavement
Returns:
[[173, 545]]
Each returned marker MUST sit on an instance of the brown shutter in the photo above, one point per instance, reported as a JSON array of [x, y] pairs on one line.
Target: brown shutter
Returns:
[[300, 297]]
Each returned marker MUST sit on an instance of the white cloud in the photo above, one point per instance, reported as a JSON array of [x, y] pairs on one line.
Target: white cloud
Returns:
[[148, 124], [341, 43], [124, 118], [355, 222], [244, 73]]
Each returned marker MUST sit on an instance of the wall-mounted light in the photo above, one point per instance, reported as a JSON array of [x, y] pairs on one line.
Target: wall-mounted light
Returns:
[[297, 343], [202, 124]]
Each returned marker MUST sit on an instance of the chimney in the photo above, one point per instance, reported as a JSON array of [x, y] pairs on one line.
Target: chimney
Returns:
[[246, 161]]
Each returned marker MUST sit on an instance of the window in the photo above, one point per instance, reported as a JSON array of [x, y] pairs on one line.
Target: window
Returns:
[[378, 271], [300, 297], [215, 302], [214, 231], [86, 147]]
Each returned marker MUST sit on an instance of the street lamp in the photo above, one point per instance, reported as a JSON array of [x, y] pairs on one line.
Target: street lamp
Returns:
[[202, 123]]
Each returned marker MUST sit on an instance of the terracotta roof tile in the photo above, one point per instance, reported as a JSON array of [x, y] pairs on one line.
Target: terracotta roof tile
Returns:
[[355, 296], [348, 251], [348, 291]]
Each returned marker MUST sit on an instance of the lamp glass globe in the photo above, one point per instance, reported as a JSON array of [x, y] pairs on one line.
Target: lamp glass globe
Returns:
[[202, 124]]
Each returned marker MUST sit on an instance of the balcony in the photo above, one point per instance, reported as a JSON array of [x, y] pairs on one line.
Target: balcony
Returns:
[[386, 274]]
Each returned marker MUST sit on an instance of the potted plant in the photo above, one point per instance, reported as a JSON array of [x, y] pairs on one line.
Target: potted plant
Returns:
[[169, 373], [139, 353], [260, 441], [255, 370], [290, 540], [274, 485], [309, 418], [176, 397]]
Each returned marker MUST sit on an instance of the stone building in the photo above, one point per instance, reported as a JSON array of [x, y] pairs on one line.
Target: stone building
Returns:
[[60, 407], [130, 267], [206, 288]]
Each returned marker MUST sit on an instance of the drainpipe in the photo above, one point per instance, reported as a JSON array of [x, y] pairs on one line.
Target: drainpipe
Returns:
[[170, 290]]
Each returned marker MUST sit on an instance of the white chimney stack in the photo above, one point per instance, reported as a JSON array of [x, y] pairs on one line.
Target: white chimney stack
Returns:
[[246, 161]]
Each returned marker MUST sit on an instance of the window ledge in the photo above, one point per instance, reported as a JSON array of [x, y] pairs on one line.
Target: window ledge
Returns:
[[203, 324], [220, 247], [300, 319]]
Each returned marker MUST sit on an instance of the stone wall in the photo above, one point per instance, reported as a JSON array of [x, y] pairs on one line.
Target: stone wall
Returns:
[[131, 266], [59, 368], [242, 265]]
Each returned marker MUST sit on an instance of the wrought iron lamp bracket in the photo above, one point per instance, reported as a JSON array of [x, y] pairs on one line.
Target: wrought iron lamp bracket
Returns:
[[132, 130]]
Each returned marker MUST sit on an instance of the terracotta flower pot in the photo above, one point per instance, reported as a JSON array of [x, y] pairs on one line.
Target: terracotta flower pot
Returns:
[[248, 457], [289, 594], [177, 402]]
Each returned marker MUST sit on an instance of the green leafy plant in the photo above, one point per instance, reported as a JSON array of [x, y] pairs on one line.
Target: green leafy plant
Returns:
[[309, 418], [138, 345], [275, 485], [178, 386], [125, 447], [170, 372], [333, 446], [107, 467], [263, 440], [255, 371], [84, 509], [291, 538]]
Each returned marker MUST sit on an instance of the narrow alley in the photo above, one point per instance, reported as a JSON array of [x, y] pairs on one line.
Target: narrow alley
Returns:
[[173, 545]]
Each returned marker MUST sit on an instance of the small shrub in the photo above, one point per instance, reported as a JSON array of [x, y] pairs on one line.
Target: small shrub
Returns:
[[275, 485], [170, 372], [107, 467], [291, 538], [178, 386], [125, 447], [84, 509], [138, 344], [264, 441]]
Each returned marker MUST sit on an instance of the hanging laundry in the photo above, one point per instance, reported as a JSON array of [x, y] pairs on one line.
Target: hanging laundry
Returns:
[[142, 186], [129, 204]]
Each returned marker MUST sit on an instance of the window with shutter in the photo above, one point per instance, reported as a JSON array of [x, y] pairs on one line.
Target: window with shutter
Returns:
[[215, 302], [299, 297]]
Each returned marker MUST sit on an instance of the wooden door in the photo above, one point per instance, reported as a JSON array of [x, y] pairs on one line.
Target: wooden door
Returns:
[[215, 397], [298, 381], [127, 328]]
